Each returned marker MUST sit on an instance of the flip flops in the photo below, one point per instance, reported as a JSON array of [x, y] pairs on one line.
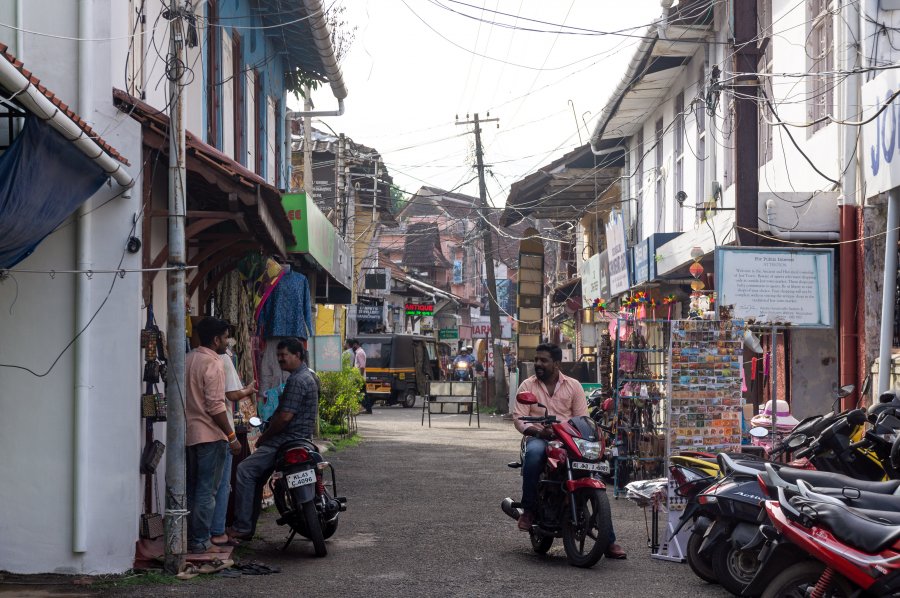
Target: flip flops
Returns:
[[189, 571], [215, 565], [229, 542], [255, 568]]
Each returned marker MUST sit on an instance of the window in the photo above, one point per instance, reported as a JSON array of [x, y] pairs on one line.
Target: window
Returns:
[[819, 62], [278, 172], [660, 180], [679, 159], [727, 145], [702, 191], [134, 75], [237, 80], [639, 185], [213, 60]]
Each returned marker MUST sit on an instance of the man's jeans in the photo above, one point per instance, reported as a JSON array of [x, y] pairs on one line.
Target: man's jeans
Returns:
[[252, 473], [532, 466], [219, 515], [204, 472]]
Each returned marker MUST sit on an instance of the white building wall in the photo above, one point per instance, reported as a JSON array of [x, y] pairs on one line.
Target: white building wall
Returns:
[[37, 319]]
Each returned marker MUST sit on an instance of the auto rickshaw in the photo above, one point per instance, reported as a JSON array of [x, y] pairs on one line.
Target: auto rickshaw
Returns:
[[398, 366]]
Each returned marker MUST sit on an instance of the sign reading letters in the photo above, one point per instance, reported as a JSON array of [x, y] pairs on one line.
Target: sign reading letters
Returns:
[[618, 254], [792, 287]]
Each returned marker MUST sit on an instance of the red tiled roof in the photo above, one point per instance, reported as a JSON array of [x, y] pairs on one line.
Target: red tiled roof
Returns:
[[64, 108]]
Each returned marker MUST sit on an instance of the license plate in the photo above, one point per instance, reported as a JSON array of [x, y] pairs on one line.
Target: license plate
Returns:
[[601, 467], [301, 478]]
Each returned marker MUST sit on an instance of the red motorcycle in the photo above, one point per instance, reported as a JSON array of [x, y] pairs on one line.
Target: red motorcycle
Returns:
[[837, 551], [572, 501]]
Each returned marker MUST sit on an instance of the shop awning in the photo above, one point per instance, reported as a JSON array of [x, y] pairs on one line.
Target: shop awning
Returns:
[[571, 289], [216, 183], [319, 243], [563, 189], [55, 163]]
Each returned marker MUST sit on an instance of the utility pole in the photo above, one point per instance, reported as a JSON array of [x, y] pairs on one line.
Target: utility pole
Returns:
[[488, 241], [746, 116], [176, 503], [307, 145]]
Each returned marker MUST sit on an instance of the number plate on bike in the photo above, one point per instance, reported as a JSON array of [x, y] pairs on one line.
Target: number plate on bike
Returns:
[[301, 478], [601, 467]]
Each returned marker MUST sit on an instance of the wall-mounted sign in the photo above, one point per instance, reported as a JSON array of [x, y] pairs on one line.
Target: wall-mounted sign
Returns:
[[618, 254], [590, 280], [420, 309], [481, 328], [448, 333], [377, 280], [369, 313], [880, 135], [787, 287]]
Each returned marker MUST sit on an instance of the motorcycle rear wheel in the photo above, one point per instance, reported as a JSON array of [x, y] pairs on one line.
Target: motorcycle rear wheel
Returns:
[[734, 568], [314, 528], [587, 539], [701, 567], [798, 580]]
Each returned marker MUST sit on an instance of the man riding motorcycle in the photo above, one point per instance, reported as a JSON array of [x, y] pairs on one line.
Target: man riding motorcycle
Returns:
[[563, 397], [464, 364]]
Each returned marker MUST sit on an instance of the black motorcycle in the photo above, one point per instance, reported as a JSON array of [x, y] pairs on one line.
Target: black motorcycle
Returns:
[[304, 487]]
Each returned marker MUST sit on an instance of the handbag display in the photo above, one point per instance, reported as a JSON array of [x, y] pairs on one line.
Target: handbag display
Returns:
[[152, 526], [151, 456], [153, 405]]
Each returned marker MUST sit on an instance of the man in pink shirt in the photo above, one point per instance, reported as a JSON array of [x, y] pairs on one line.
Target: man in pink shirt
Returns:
[[208, 432], [563, 397]]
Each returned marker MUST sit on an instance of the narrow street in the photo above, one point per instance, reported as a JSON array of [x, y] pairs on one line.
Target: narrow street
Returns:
[[423, 519]]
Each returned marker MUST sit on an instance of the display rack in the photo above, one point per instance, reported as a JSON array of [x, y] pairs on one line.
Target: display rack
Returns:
[[640, 414]]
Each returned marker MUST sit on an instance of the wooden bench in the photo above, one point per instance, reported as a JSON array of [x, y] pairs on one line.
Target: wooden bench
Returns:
[[459, 393]]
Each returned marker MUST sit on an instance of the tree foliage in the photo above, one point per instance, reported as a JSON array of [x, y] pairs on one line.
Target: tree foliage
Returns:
[[340, 393]]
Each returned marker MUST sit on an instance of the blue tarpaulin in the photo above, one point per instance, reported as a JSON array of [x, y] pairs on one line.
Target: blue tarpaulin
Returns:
[[43, 180]]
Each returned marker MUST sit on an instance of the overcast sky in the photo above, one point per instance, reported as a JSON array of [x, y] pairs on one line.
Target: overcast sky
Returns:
[[415, 64]]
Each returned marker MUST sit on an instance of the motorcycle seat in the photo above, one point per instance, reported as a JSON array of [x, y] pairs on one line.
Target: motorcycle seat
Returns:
[[825, 479], [749, 467], [856, 527], [862, 500], [307, 444]]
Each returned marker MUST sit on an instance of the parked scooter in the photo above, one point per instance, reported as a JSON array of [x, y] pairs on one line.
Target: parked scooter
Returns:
[[816, 545], [304, 488], [572, 500]]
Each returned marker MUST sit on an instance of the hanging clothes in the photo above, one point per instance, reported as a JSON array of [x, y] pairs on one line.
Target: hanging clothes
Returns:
[[288, 310]]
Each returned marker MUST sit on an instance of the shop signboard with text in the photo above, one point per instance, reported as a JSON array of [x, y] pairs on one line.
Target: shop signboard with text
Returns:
[[481, 328], [316, 236], [617, 251], [590, 280], [783, 287], [881, 135], [419, 309]]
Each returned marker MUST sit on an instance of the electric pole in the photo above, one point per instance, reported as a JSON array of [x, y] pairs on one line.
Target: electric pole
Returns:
[[176, 504], [500, 400]]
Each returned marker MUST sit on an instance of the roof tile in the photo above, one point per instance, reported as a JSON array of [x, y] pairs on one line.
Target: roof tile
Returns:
[[63, 107]]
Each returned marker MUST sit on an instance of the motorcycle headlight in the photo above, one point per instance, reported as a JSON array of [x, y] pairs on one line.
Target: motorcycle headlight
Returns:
[[589, 450]]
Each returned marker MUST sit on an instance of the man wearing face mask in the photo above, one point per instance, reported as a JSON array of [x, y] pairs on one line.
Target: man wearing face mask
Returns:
[[563, 397]]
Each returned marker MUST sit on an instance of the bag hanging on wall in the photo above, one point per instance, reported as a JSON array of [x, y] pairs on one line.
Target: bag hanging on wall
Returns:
[[151, 456], [153, 405], [152, 525]]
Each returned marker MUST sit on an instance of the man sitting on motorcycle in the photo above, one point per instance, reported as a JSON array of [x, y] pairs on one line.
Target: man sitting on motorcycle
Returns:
[[564, 397]]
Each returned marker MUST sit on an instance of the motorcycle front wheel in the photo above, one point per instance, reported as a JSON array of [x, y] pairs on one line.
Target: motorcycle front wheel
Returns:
[[797, 581], [314, 528], [587, 538]]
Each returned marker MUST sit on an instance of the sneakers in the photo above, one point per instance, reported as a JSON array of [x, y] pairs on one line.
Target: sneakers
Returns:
[[526, 520]]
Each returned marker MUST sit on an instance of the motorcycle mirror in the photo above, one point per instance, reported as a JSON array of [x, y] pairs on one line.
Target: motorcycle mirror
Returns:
[[255, 421], [795, 441], [759, 432], [845, 391], [526, 398]]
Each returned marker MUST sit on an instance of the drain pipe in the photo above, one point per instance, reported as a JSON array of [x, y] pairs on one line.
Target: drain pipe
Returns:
[[84, 261], [322, 38], [849, 334], [889, 292], [794, 235]]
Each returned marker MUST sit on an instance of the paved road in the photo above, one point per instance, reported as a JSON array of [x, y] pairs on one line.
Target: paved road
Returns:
[[423, 519]]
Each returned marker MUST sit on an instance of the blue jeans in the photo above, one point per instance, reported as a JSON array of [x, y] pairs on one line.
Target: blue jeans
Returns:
[[252, 473], [532, 466], [219, 515], [204, 472]]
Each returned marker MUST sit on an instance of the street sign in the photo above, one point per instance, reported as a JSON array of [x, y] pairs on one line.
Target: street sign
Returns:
[[448, 333], [420, 309], [369, 313]]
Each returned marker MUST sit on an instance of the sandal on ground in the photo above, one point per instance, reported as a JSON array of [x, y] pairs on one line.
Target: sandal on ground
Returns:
[[188, 572], [215, 565], [229, 542]]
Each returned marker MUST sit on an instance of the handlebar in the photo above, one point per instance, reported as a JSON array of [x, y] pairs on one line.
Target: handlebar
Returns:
[[539, 419]]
